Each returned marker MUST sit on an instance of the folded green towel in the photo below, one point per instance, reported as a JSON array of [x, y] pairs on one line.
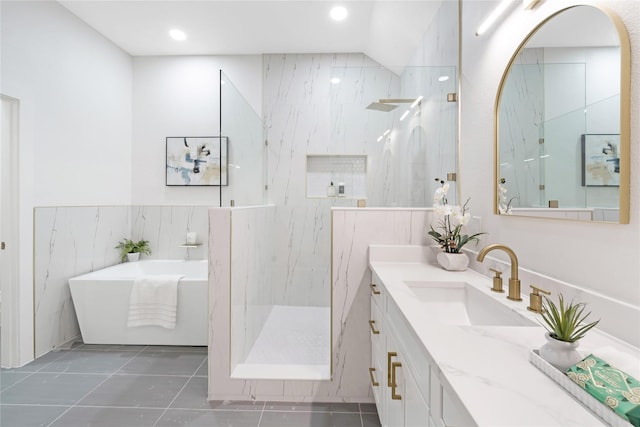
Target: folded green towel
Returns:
[[616, 389]]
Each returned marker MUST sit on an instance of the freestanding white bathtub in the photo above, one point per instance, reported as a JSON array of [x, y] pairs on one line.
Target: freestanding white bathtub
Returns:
[[101, 300]]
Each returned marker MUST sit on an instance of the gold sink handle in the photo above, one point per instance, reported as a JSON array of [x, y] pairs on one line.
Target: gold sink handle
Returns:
[[497, 281], [535, 299]]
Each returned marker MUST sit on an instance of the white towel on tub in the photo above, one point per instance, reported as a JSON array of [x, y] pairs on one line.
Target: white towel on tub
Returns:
[[154, 301]]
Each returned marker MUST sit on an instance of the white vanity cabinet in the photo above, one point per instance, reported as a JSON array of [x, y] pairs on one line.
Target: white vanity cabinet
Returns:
[[405, 381]]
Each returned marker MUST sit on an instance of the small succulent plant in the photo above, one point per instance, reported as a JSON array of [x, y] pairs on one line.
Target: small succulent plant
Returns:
[[565, 322]]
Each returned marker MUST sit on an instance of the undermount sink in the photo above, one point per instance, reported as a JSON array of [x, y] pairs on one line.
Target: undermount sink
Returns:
[[458, 303]]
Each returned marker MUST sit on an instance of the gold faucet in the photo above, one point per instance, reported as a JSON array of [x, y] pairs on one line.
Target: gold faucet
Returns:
[[514, 282]]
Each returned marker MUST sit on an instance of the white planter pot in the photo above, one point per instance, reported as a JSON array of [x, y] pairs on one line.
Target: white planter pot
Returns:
[[453, 261], [560, 354], [134, 256]]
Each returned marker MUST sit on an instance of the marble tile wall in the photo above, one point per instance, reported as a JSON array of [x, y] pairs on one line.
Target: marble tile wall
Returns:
[[70, 241], [166, 227], [305, 114], [352, 232]]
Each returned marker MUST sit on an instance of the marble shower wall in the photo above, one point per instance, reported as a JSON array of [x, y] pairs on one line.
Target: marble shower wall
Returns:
[[306, 114], [352, 232], [70, 241]]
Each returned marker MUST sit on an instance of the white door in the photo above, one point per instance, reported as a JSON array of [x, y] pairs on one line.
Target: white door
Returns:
[[9, 246]]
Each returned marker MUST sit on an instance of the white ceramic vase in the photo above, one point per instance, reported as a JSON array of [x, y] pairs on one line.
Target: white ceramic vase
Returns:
[[133, 256], [453, 261], [560, 354]]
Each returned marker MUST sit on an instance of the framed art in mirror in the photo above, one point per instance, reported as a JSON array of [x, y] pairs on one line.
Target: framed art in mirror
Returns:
[[600, 160]]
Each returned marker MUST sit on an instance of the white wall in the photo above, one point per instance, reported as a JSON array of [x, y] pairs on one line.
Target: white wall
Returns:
[[599, 257], [74, 88], [179, 96]]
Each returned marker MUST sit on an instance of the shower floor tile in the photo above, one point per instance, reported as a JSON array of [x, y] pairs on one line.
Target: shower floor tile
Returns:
[[112, 396], [293, 336]]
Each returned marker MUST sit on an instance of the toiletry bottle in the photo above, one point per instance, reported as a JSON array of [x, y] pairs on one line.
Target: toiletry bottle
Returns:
[[331, 190], [341, 189]]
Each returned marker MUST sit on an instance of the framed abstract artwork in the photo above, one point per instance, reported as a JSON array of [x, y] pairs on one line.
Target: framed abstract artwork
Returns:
[[197, 161], [601, 160]]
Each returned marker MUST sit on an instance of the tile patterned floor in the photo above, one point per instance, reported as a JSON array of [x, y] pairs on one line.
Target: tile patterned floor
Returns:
[[139, 386]]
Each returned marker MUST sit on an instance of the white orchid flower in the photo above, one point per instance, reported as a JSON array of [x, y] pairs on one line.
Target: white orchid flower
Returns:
[[464, 219]]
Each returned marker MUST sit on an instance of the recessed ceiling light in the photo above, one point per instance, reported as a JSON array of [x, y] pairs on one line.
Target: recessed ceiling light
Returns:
[[177, 34], [335, 80], [338, 13], [443, 78]]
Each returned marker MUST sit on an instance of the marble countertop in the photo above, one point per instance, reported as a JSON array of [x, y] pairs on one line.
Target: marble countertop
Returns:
[[488, 366]]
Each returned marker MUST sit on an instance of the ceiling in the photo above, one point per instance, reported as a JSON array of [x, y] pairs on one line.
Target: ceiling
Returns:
[[387, 31]]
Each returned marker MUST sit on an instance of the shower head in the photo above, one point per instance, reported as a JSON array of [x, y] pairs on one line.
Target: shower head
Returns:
[[380, 106], [387, 105]]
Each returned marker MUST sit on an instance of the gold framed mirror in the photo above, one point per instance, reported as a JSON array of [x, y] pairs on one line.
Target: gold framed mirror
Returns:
[[562, 120]]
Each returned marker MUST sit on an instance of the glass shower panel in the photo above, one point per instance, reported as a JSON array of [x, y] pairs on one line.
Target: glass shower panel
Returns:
[[247, 156], [521, 124], [403, 125], [429, 132]]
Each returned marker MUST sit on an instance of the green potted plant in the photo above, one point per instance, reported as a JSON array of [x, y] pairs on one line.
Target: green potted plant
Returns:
[[449, 233], [131, 250], [565, 325]]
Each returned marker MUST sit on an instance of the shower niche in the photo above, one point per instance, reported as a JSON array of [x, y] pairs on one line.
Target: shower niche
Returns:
[[346, 171]]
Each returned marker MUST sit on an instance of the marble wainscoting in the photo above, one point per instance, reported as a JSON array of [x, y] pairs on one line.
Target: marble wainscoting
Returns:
[[166, 227], [70, 241], [353, 230]]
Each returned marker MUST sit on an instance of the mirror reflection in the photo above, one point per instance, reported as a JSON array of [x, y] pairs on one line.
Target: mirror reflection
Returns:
[[559, 141]]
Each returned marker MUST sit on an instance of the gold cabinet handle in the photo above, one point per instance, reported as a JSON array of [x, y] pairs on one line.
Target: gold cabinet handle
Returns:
[[374, 383], [390, 354], [394, 385], [373, 328], [374, 289]]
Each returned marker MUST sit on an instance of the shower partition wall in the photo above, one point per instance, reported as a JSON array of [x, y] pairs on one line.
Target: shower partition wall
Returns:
[[272, 335]]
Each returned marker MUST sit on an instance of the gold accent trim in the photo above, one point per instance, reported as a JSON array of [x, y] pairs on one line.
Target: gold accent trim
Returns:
[[331, 306], [372, 324], [374, 383], [625, 111], [394, 384], [374, 289], [33, 276], [230, 288], [459, 104]]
